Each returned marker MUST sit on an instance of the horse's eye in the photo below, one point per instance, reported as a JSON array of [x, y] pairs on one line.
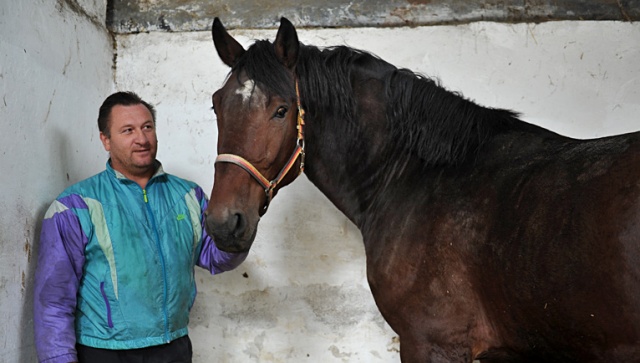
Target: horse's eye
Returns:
[[281, 112]]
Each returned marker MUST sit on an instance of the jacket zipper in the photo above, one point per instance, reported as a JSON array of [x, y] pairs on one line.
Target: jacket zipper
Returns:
[[162, 263]]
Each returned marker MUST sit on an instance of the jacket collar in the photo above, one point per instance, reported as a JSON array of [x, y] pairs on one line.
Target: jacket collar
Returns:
[[159, 171]]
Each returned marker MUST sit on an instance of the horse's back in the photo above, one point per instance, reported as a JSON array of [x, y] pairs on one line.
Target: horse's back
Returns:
[[565, 241], [533, 252]]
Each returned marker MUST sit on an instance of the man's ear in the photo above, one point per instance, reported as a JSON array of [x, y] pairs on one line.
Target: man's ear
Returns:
[[106, 142]]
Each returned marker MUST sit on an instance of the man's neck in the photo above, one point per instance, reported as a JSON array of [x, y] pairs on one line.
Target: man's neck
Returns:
[[140, 177]]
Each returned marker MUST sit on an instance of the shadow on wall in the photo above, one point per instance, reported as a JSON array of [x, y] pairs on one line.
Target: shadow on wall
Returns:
[[32, 228], [60, 162]]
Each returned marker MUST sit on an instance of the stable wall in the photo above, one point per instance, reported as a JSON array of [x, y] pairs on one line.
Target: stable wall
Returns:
[[56, 62], [302, 295]]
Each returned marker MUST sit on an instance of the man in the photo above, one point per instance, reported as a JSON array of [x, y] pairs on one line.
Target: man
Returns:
[[115, 276]]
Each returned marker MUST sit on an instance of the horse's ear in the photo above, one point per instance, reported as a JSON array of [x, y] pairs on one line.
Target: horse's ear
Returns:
[[228, 48], [286, 44]]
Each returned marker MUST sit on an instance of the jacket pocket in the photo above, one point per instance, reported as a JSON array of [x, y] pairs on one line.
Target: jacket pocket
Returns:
[[106, 302]]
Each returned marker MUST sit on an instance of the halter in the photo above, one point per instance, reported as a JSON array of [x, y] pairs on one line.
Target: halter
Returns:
[[269, 186]]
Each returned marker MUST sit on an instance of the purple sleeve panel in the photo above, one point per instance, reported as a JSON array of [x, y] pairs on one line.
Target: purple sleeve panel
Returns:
[[217, 261], [211, 258], [58, 274]]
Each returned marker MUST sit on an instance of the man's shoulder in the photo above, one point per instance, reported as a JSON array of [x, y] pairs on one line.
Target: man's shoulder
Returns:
[[185, 182], [186, 187], [76, 195], [86, 187]]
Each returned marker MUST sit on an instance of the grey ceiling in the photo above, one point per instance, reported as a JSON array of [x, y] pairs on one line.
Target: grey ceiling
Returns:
[[130, 16]]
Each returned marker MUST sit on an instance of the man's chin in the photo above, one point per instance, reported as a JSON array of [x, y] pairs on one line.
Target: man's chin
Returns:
[[145, 163]]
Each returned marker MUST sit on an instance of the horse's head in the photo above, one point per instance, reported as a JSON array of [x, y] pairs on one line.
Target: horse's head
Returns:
[[258, 119]]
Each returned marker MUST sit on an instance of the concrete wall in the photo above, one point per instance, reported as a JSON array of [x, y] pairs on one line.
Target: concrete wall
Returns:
[[128, 16], [302, 295], [55, 68]]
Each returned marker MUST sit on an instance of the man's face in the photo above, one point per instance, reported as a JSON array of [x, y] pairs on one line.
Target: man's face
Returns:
[[132, 143]]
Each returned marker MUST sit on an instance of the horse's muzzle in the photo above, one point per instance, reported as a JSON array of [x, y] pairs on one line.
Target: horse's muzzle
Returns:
[[232, 233]]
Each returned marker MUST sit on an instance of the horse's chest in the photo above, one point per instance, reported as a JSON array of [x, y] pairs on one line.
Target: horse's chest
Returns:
[[422, 266]]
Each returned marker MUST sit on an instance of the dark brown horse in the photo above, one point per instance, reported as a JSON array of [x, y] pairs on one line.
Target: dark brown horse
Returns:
[[486, 237]]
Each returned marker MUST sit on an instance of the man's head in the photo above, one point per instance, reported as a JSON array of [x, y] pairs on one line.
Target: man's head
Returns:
[[127, 132], [122, 99]]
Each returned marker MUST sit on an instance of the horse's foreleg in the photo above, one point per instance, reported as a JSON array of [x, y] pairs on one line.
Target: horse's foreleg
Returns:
[[425, 352]]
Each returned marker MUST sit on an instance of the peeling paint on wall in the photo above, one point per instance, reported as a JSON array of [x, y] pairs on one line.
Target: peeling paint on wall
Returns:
[[134, 16]]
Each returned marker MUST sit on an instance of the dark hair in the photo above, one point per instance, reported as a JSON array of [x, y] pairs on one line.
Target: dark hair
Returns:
[[122, 99]]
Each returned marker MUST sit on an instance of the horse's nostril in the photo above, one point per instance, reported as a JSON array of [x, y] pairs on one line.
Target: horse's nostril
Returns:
[[238, 224]]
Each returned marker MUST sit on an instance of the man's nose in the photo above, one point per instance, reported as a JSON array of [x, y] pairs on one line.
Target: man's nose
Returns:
[[141, 137]]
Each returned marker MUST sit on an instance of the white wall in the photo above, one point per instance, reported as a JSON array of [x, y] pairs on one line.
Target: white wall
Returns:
[[305, 296], [55, 69]]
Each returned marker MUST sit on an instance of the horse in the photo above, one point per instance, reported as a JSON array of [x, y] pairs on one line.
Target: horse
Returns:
[[486, 237]]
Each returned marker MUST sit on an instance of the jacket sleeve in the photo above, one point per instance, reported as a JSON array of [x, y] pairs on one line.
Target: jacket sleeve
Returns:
[[58, 273], [211, 258]]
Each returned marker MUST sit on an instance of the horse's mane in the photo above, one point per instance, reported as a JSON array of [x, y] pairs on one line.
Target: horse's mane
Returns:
[[439, 126]]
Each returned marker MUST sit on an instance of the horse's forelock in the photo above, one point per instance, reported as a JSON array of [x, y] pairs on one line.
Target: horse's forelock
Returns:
[[260, 64]]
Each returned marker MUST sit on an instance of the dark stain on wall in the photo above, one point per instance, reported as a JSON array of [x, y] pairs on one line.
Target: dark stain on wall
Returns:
[[133, 16], [75, 7]]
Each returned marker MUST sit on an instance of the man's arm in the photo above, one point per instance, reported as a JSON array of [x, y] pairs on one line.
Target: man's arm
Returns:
[[217, 261], [58, 274], [211, 258]]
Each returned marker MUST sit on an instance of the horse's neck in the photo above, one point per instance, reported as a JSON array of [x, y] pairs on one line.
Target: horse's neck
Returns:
[[348, 170], [358, 174], [356, 156]]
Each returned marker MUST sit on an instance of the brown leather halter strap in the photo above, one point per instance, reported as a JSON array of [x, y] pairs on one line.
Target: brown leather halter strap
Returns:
[[268, 185]]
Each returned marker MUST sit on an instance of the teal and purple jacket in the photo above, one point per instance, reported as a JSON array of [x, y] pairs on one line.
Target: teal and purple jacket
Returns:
[[116, 264]]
